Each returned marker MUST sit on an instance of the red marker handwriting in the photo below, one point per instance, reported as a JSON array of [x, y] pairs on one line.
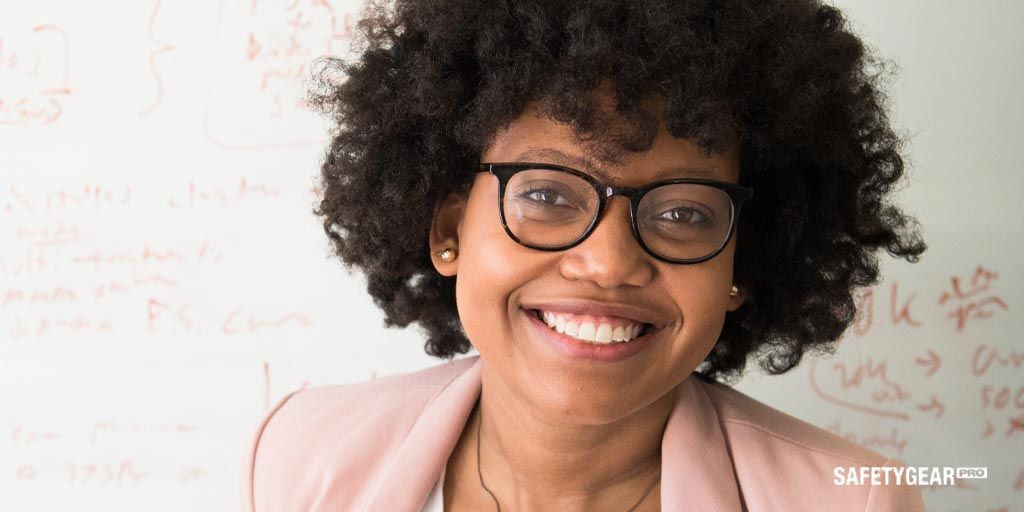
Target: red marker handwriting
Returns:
[[901, 308], [867, 409], [161, 48], [236, 322], [933, 405], [1002, 397], [34, 76], [985, 357], [1016, 426], [932, 362], [972, 298]]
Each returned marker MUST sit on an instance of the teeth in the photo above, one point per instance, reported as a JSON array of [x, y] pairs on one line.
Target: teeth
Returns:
[[619, 334], [548, 318], [572, 329], [602, 333], [587, 331]]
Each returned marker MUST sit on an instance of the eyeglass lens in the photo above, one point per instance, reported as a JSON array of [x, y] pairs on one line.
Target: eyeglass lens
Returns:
[[552, 209]]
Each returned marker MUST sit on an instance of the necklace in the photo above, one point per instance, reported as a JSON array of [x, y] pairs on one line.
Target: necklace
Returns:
[[480, 420]]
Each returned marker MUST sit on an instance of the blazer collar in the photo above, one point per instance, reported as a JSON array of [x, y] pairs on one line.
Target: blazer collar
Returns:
[[696, 472]]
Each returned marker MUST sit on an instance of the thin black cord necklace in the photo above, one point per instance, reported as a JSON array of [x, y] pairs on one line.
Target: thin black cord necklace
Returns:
[[480, 420]]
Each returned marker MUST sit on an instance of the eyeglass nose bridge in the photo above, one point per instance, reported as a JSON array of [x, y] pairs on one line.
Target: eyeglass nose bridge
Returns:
[[611, 190], [633, 196]]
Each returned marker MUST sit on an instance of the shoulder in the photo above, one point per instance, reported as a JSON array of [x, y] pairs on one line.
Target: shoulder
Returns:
[[341, 432], [369, 409], [762, 440], [409, 389], [749, 421]]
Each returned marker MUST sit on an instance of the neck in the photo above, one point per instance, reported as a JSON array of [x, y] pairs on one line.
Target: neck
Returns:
[[534, 461]]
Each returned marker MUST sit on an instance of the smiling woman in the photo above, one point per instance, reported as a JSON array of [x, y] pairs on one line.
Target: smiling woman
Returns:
[[615, 204]]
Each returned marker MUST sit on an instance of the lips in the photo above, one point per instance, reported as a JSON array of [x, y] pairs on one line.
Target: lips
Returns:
[[568, 346]]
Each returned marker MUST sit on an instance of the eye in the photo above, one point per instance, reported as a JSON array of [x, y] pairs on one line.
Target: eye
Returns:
[[545, 196], [548, 197], [686, 216]]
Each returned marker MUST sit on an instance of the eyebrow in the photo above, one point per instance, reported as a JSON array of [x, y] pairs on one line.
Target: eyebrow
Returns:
[[552, 155]]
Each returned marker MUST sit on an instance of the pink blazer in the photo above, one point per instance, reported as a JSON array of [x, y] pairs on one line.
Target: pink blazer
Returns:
[[381, 446]]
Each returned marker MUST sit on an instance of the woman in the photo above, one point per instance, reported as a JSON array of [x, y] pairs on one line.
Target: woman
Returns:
[[559, 186]]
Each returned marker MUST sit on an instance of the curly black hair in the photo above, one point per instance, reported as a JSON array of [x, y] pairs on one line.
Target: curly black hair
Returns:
[[784, 81]]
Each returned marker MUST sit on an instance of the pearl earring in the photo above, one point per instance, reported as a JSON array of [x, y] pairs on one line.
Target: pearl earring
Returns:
[[734, 291], [448, 254]]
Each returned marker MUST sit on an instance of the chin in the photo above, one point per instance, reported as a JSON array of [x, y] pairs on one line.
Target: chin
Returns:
[[571, 402]]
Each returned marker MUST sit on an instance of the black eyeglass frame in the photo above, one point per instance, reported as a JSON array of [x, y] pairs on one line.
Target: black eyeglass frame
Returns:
[[504, 171]]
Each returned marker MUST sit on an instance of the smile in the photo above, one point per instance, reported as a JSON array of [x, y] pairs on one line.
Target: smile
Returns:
[[598, 330]]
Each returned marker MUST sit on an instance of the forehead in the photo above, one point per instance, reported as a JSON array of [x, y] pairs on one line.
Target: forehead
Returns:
[[532, 138]]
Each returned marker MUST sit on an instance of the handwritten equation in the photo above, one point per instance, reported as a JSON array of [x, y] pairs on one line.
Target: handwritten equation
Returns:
[[265, 56], [35, 75], [967, 298], [67, 273]]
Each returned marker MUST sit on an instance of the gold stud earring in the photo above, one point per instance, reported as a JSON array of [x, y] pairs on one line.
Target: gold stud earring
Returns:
[[734, 291], [448, 254]]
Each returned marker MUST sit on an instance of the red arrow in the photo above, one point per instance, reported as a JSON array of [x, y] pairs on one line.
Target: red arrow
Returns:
[[933, 361], [934, 404]]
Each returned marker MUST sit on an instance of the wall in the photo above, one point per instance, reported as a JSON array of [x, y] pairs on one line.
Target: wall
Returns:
[[162, 278]]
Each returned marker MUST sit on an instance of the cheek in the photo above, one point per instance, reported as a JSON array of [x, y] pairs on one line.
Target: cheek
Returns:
[[491, 267], [702, 295]]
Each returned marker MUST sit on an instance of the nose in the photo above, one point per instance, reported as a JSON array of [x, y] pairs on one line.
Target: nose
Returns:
[[610, 256]]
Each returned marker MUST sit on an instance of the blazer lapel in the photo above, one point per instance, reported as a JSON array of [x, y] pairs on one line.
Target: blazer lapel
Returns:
[[425, 451], [696, 473], [696, 468]]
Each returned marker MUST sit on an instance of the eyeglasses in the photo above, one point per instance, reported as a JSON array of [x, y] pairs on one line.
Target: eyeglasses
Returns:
[[552, 208]]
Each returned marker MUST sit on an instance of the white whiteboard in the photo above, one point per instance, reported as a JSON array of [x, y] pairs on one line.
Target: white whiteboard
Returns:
[[162, 278]]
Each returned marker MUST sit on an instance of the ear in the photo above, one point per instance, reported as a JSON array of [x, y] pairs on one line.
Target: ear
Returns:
[[444, 232]]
